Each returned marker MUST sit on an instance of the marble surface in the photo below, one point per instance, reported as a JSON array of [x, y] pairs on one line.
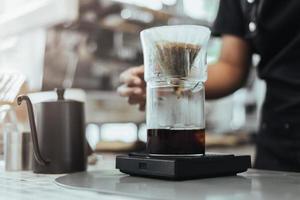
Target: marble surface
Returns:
[[29, 186], [254, 184], [102, 182], [25, 185]]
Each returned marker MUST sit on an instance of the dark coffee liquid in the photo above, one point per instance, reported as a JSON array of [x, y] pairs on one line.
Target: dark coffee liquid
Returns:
[[170, 141]]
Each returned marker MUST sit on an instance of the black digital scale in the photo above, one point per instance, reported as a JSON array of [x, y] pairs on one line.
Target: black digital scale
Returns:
[[182, 168]]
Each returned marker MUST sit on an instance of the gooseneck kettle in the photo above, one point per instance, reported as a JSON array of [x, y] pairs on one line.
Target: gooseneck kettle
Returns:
[[57, 134]]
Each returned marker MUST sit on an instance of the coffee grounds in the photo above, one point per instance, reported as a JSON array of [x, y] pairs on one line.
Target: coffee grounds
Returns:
[[176, 59]]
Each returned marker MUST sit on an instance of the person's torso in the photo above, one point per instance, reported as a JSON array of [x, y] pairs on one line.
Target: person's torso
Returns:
[[273, 29]]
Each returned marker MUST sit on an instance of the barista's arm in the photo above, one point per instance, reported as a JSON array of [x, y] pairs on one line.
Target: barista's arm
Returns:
[[231, 70]]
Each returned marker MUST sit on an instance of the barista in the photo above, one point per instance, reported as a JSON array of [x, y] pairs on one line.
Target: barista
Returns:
[[272, 30]]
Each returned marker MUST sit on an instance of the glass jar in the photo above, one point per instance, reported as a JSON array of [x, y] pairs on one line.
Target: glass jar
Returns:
[[175, 72]]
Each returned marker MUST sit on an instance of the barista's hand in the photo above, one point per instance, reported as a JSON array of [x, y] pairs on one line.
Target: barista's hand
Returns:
[[133, 86]]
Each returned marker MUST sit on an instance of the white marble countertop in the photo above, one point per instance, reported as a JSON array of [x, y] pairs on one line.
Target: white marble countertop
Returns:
[[25, 185], [254, 184]]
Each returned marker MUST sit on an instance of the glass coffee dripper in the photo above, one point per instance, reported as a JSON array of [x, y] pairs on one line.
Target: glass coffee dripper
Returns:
[[175, 72]]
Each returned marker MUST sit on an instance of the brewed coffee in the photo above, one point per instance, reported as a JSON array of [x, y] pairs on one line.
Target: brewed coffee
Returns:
[[172, 141]]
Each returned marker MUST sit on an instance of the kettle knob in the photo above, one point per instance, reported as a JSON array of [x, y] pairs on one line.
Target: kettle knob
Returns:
[[60, 93]]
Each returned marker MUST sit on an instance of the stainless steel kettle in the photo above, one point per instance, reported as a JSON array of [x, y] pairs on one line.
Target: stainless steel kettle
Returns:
[[58, 138]]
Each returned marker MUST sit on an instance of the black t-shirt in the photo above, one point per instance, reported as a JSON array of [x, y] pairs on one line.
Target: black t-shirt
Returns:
[[272, 28]]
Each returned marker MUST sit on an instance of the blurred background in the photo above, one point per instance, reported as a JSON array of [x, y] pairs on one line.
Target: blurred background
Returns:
[[86, 44]]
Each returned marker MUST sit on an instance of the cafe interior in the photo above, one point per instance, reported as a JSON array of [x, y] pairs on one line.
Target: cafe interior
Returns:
[[60, 67]]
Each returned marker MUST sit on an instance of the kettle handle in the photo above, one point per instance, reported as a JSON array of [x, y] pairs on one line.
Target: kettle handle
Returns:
[[37, 154]]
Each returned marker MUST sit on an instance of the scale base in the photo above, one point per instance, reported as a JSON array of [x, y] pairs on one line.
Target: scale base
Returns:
[[182, 168]]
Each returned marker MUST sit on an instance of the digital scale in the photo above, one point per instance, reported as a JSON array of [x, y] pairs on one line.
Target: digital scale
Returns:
[[182, 167]]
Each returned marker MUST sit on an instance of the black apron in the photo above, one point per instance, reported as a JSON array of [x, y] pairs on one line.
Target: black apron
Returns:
[[272, 29], [278, 141]]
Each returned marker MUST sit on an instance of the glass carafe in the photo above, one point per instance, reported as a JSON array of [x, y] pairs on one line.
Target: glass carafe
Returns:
[[175, 72]]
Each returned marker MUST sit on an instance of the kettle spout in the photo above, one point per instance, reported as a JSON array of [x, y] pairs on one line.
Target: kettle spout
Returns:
[[37, 154]]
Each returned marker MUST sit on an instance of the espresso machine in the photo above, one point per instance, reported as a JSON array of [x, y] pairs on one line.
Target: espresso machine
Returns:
[[175, 72]]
